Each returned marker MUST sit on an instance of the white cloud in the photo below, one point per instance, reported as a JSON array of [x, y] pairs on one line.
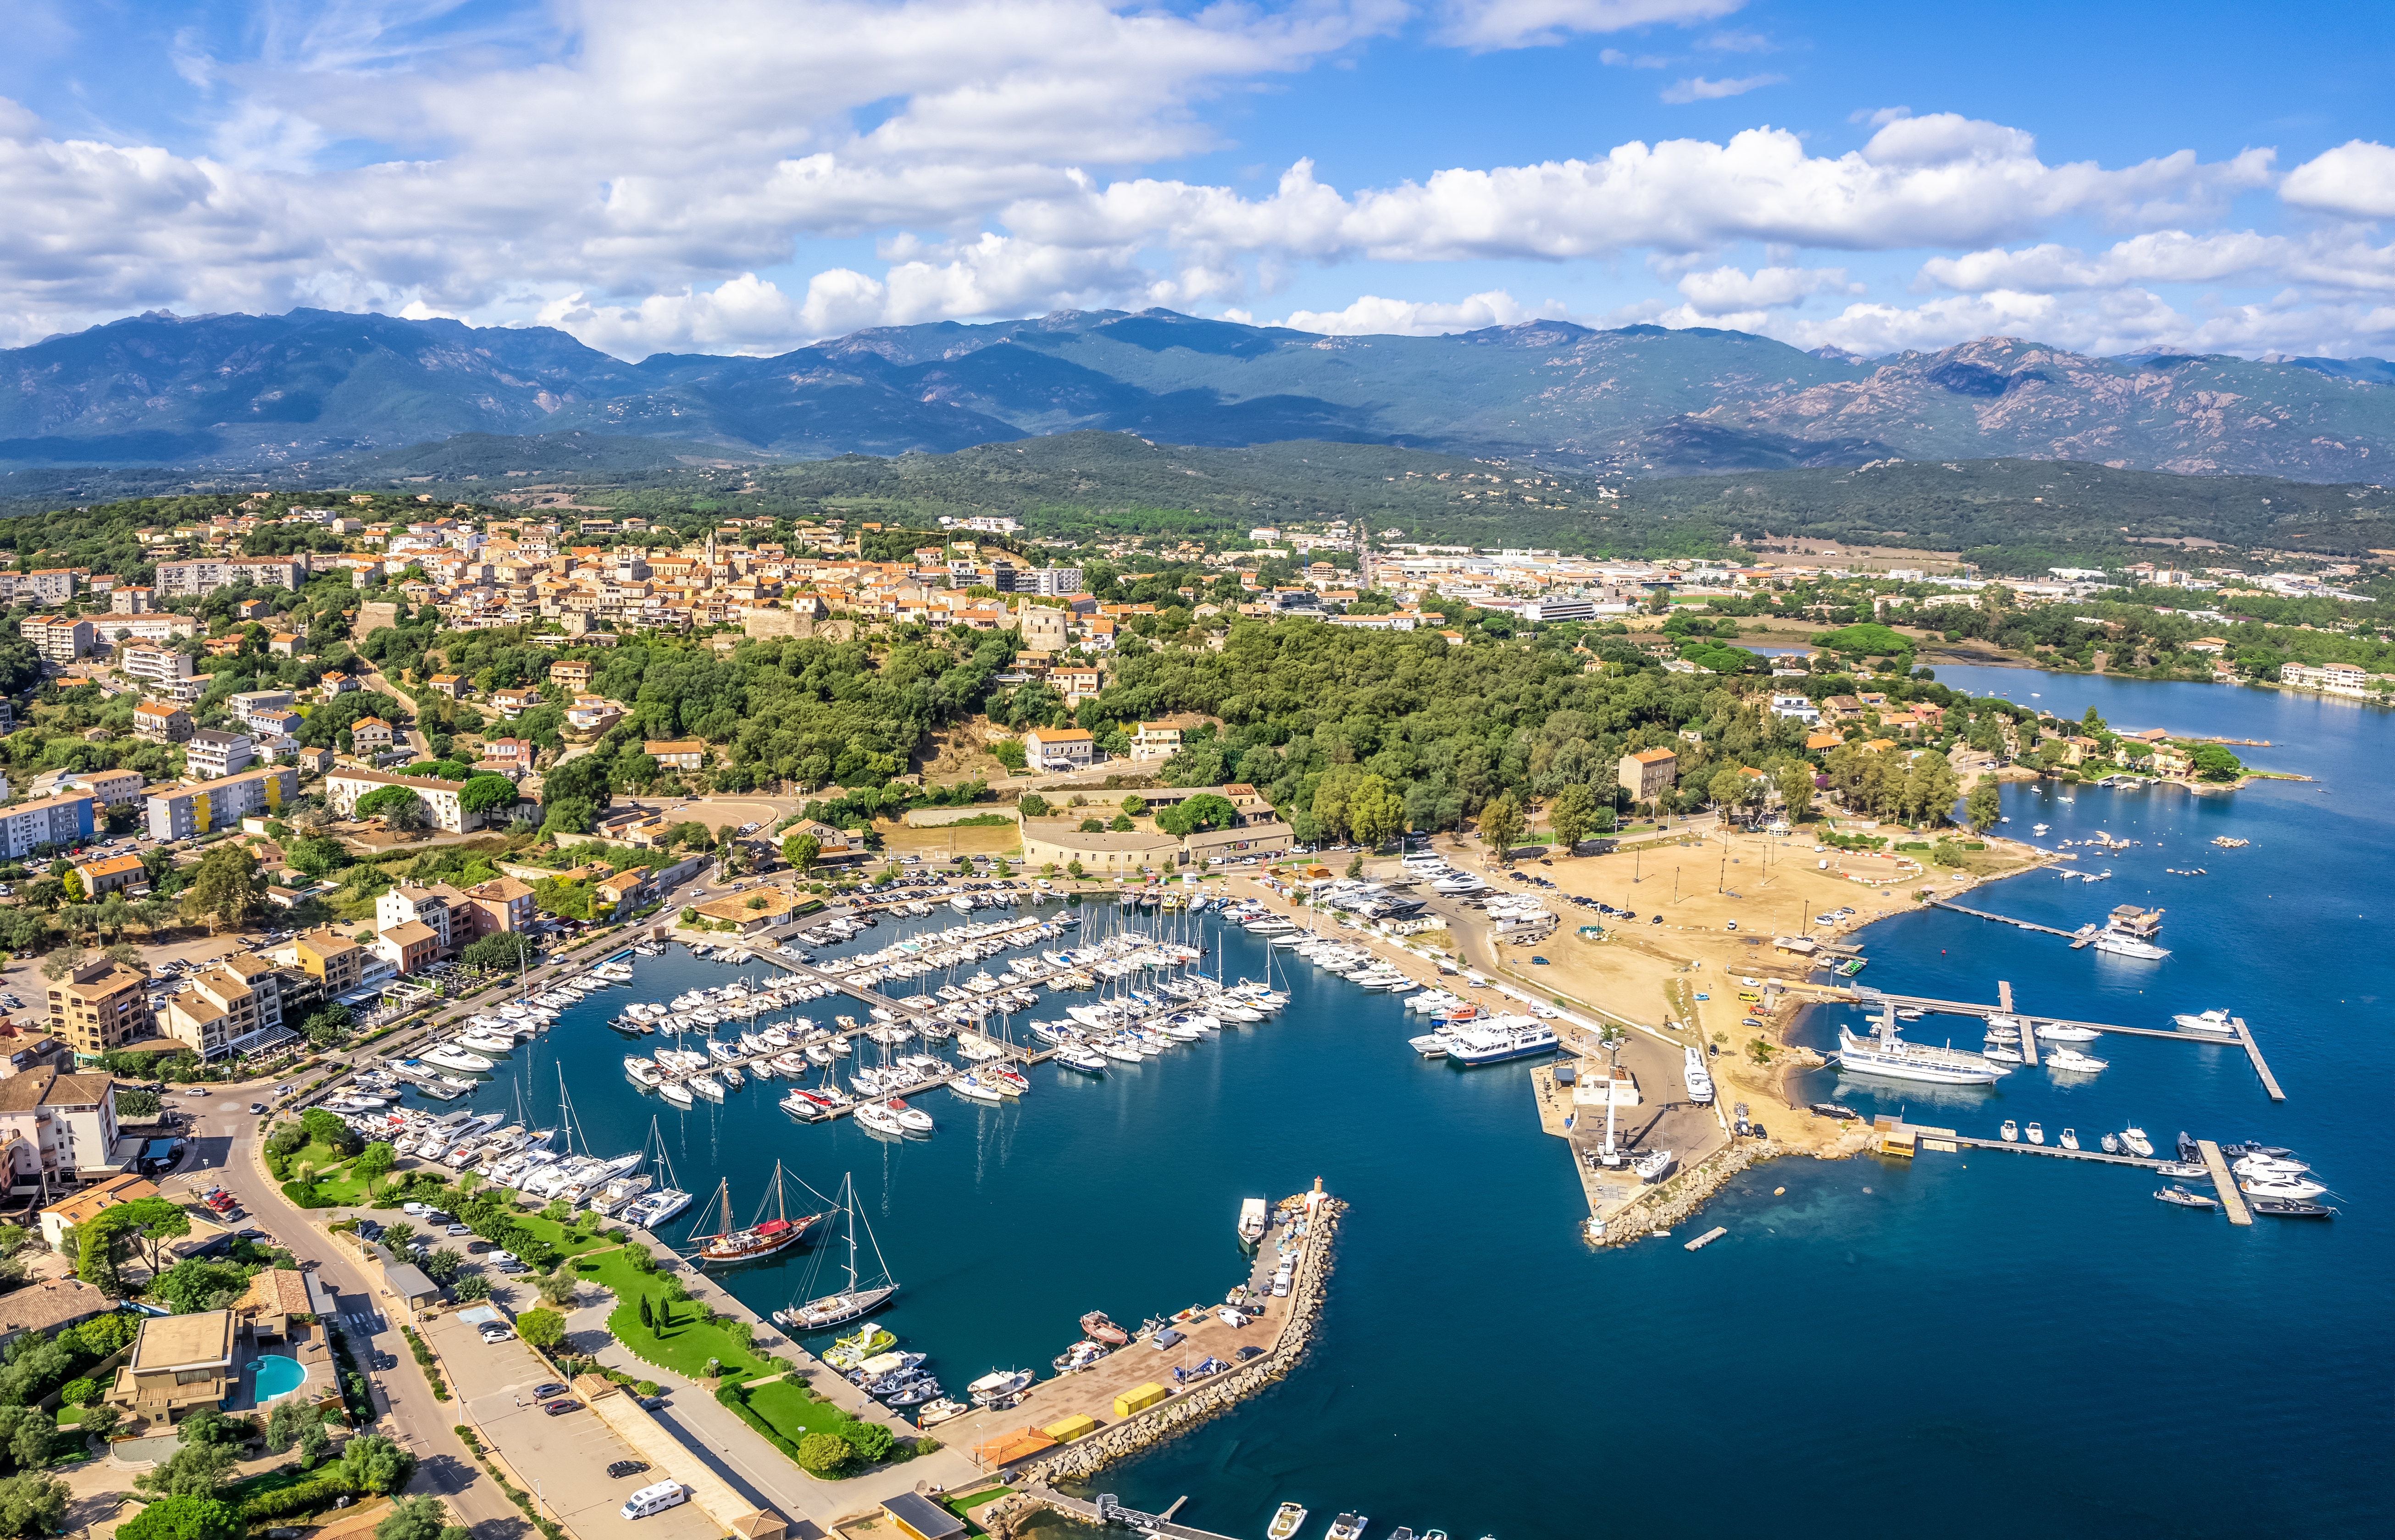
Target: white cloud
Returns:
[[2323, 259], [1697, 88], [1620, 61], [1538, 23], [2357, 179], [1727, 290], [1373, 316]]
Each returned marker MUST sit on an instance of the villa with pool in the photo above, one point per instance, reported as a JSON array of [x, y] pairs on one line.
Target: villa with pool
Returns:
[[268, 1346]]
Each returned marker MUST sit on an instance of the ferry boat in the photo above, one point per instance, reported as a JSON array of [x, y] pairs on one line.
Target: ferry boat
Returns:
[[1885, 1054], [1502, 1039], [763, 1237]]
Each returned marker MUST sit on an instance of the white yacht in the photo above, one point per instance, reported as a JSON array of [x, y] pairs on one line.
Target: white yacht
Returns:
[[2072, 1061], [2214, 1022], [2129, 946], [1700, 1080], [1885, 1054]]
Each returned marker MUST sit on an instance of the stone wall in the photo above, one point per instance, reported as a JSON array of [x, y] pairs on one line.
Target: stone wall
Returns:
[[1084, 1457]]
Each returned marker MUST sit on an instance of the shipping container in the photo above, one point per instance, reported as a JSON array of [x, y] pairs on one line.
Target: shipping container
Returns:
[[1079, 1425], [1139, 1398]]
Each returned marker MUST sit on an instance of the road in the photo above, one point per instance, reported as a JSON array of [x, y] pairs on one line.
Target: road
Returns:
[[223, 1144]]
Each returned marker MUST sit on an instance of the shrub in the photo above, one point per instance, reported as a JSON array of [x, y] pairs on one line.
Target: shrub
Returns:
[[299, 1497], [185, 1518], [825, 1454]]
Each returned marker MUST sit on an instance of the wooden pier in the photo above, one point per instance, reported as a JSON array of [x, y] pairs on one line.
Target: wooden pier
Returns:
[[2223, 1183], [2077, 938], [1875, 999], [2025, 1147], [2270, 1080]]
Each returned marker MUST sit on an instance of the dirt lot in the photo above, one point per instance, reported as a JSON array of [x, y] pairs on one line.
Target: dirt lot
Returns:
[[1764, 886], [945, 844]]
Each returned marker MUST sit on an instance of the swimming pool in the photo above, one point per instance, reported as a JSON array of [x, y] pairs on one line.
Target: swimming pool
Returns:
[[277, 1375]]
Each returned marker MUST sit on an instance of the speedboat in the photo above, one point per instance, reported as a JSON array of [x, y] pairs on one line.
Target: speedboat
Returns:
[[2181, 1168], [2069, 1139], [1000, 1386], [1287, 1522], [2036, 1134], [1347, 1526], [2055, 1031], [2214, 1022], [2184, 1199], [2009, 1133], [2134, 1140], [2073, 1061], [940, 1411], [2294, 1188]]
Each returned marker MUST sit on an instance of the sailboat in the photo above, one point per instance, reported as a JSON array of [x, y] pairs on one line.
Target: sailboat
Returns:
[[763, 1236], [860, 1295]]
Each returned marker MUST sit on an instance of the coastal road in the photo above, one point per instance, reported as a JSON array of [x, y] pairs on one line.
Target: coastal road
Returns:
[[223, 1144]]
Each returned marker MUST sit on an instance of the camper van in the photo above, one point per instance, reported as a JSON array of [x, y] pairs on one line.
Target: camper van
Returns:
[[653, 1499]]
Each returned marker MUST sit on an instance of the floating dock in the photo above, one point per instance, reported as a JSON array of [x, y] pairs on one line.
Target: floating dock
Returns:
[[2223, 1183], [1702, 1241], [1875, 1000]]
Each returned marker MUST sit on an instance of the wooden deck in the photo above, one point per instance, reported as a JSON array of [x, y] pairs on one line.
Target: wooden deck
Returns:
[[2224, 1184]]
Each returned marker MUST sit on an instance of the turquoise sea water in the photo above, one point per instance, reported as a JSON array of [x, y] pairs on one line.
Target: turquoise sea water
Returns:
[[1986, 1346]]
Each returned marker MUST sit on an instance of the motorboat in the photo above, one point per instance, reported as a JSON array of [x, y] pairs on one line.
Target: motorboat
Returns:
[[2009, 1133], [2074, 1062], [2288, 1208], [2183, 1169], [2036, 1132], [2266, 1166], [2184, 1199], [1099, 1329], [1286, 1522], [1000, 1386], [1076, 1055], [939, 1412], [2294, 1188], [449, 1056], [2214, 1022], [1347, 1526], [2069, 1139], [2001, 1054], [2055, 1031], [2134, 1140]]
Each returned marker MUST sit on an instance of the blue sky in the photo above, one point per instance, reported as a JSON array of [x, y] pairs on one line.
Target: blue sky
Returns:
[[742, 176]]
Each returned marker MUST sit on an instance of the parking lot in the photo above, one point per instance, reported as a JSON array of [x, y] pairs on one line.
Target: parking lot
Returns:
[[563, 1459]]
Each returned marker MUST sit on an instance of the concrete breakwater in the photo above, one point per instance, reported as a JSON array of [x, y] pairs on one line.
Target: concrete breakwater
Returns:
[[1084, 1457], [1667, 1204]]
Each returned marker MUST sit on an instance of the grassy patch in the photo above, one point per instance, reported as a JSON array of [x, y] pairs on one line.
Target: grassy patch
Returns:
[[958, 1505], [686, 1345], [569, 1241], [793, 1410]]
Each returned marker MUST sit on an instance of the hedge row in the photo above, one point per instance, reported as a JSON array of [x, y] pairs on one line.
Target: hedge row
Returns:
[[302, 1497]]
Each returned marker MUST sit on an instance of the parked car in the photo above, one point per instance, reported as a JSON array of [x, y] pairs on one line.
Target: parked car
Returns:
[[415, 1211], [558, 1408], [542, 1392], [257, 1109], [461, 1229], [494, 1331], [627, 1468]]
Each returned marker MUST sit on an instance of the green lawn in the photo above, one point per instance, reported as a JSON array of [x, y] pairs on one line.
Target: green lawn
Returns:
[[568, 1243], [687, 1344], [793, 1412]]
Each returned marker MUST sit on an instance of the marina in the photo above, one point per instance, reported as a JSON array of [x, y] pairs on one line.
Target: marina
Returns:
[[2243, 1037]]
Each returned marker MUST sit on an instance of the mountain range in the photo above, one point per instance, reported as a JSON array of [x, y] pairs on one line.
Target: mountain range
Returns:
[[314, 390]]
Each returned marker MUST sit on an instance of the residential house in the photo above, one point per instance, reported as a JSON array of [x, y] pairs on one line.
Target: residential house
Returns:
[[49, 1306], [109, 875], [677, 753], [509, 756], [1795, 708], [211, 754], [337, 684], [590, 714], [180, 1363], [369, 735], [1059, 749], [1154, 741], [57, 1220], [570, 674], [162, 722], [251, 707], [1650, 773], [501, 904], [1841, 708], [620, 895], [447, 684], [284, 644], [411, 948]]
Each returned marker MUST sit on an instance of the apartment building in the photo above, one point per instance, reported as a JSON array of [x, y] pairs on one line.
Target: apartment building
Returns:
[[178, 813], [58, 1131], [1059, 749], [434, 906], [677, 753], [337, 963], [216, 754], [132, 601], [53, 822], [369, 735], [1650, 773], [250, 708], [410, 949], [344, 786], [99, 1007], [113, 787], [149, 661], [162, 722], [501, 904], [207, 573], [58, 638]]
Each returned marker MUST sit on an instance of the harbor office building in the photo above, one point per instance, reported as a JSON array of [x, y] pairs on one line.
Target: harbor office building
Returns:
[[1061, 842]]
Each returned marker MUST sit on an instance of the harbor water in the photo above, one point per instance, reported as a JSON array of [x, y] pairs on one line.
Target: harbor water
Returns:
[[1987, 1344]]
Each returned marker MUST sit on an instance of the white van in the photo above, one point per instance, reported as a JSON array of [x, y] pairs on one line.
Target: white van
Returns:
[[653, 1499]]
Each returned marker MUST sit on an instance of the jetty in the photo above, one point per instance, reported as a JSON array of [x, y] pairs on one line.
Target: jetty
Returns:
[[1877, 999], [2223, 1183], [2077, 938]]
